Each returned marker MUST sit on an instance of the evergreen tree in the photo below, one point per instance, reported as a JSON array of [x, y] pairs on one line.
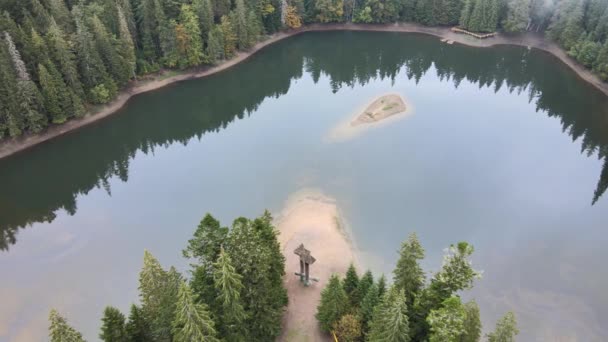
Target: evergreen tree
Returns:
[[381, 286], [447, 322], [390, 321], [158, 293], [215, 45], [229, 287], [333, 305], [506, 329], [61, 331], [62, 55], [351, 282], [192, 320], [329, 10], [472, 323], [518, 16], [204, 11], [117, 66], [113, 326], [239, 20], [229, 37], [366, 281], [408, 275], [50, 91], [125, 45], [191, 45], [368, 304], [137, 327]]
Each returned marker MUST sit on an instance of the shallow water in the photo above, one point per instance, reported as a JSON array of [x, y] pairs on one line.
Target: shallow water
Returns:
[[491, 154]]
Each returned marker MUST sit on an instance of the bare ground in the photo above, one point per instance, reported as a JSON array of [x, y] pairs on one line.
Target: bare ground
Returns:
[[11, 146], [311, 218], [380, 109]]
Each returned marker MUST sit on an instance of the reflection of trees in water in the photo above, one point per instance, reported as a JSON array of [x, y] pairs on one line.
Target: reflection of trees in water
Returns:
[[33, 188]]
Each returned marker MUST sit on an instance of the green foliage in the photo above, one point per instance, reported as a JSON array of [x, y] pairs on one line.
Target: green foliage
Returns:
[[506, 329], [99, 94], [333, 305], [351, 282], [138, 327], [472, 323], [518, 16], [113, 327], [228, 284], [328, 11], [368, 304], [348, 328], [158, 294], [390, 322], [192, 321], [408, 275], [61, 331], [447, 322], [366, 281]]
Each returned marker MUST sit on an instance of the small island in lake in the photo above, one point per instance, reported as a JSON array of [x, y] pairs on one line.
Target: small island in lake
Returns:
[[382, 108]]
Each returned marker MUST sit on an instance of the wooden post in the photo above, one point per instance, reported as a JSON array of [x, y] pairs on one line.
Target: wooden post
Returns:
[[307, 272], [302, 270]]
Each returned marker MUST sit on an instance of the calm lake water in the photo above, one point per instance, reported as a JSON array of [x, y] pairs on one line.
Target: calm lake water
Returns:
[[505, 149]]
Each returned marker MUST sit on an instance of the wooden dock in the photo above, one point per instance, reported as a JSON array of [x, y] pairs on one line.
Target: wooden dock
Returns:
[[476, 35]]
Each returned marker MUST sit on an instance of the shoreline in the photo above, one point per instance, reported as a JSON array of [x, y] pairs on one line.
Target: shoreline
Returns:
[[530, 40]]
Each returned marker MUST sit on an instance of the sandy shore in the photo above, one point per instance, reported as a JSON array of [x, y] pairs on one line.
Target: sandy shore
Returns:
[[311, 218], [11, 146]]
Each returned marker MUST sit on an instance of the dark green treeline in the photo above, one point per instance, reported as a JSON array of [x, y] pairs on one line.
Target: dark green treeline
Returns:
[[28, 197], [58, 58], [235, 291]]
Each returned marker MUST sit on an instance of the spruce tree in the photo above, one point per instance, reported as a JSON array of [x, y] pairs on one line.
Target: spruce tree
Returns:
[[239, 21], [60, 52], [334, 304], [368, 305], [125, 46], [408, 274], [192, 50], [61, 331], [52, 98], [366, 281], [138, 327], [381, 286], [113, 327], [228, 285], [192, 321], [350, 283], [229, 37], [158, 293], [215, 45], [204, 11], [390, 322]]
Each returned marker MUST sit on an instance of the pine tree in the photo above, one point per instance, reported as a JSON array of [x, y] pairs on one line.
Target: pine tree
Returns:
[[472, 323], [518, 16], [333, 305], [50, 91], [192, 320], [506, 329], [215, 45], [366, 281], [381, 286], [9, 123], [408, 274], [62, 55], [238, 19], [254, 28], [61, 331], [191, 47], [390, 321], [351, 282], [229, 286], [447, 322], [137, 327], [229, 37], [204, 11], [29, 97], [368, 305], [125, 45], [158, 293], [113, 326]]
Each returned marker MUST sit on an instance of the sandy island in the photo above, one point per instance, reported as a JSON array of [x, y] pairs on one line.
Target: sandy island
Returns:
[[381, 110], [529, 39], [311, 218]]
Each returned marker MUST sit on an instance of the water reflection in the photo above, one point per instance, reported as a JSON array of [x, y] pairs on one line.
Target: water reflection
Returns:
[[38, 183]]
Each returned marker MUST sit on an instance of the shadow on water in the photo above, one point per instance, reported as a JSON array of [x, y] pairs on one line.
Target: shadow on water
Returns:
[[36, 184]]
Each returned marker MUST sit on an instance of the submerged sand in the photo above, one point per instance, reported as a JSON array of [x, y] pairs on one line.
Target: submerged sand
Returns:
[[382, 110], [312, 218]]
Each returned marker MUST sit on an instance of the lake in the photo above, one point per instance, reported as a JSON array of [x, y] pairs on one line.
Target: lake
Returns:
[[505, 148]]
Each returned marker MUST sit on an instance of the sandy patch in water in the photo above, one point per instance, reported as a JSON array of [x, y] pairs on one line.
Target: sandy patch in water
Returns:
[[312, 218]]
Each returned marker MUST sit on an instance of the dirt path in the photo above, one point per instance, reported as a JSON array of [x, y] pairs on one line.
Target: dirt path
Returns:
[[11, 146], [311, 218]]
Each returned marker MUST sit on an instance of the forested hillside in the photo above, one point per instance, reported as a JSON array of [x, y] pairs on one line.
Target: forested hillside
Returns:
[[60, 57]]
